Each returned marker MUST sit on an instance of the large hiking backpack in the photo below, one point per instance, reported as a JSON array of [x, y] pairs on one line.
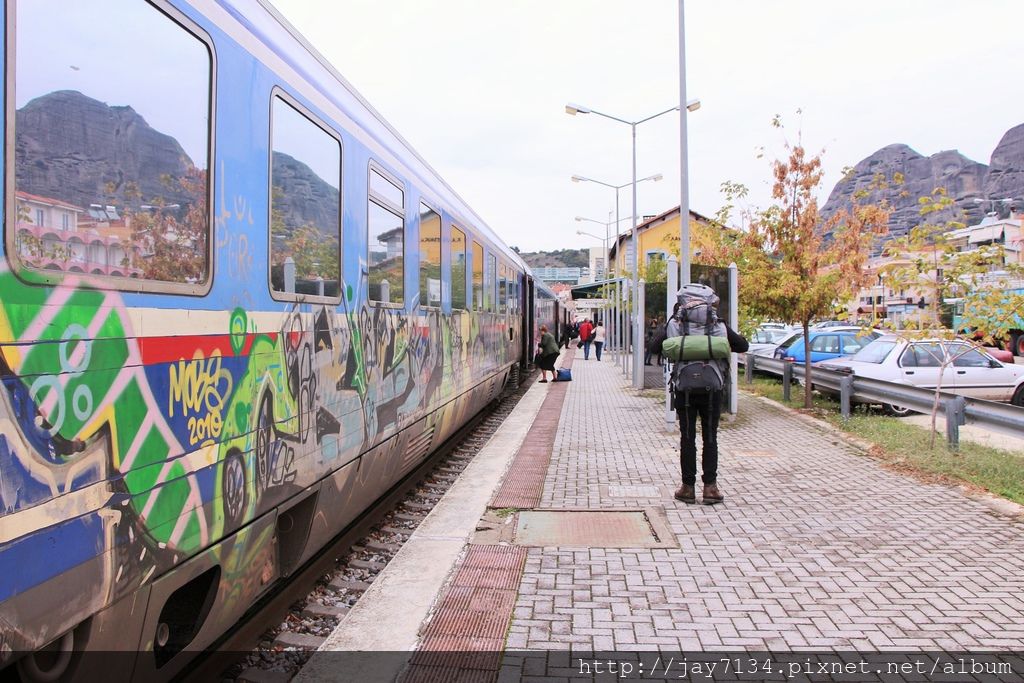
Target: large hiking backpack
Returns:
[[697, 316]]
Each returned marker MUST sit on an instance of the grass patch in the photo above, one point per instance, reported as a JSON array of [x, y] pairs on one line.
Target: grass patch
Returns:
[[505, 512], [904, 446]]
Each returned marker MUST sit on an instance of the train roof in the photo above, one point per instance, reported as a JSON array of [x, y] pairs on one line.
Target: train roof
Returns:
[[264, 22]]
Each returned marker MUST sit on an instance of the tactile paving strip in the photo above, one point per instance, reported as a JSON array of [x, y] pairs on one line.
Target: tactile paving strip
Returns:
[[464, 640], [524, 483]]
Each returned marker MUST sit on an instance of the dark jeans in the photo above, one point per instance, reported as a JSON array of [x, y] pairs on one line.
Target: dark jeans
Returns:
[[597, 349], [586, 350], [709, 408]]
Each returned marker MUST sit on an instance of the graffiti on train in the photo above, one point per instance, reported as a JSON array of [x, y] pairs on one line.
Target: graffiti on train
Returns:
[[135, 451]]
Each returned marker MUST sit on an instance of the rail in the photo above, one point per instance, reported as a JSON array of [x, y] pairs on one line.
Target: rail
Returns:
[[958, 410]]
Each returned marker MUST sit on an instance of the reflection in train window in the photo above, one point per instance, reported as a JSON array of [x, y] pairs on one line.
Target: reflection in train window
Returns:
[[490, 282], [386, 240], [478, 277], [430, 257], [458, 261], [111, 160], [305, 216], [502, 288]]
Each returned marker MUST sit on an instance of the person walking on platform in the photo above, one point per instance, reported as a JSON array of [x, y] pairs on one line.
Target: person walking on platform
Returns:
[[652, 330], [585, 333], [598, 339], [548, 353], [698, 387]]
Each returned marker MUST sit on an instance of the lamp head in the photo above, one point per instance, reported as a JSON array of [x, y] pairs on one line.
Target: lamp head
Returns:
[[657, 177], [578, 179], [573, 109], [693, 105], [578, 219]]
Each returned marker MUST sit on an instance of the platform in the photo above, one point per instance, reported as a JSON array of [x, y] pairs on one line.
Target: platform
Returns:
[[567, 537]]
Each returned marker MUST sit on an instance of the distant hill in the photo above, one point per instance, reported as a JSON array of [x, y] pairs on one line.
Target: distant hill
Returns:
[[965, 181], [560, 258]]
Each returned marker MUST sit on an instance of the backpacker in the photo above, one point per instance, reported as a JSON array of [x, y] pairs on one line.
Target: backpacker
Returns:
[[697, 316]]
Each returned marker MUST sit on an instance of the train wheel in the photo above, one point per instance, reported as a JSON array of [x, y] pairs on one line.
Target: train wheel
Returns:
[[233, 490], [264, 436], [49, 663]]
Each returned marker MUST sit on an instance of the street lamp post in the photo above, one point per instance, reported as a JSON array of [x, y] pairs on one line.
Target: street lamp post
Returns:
[[583, 179], [573, 109]]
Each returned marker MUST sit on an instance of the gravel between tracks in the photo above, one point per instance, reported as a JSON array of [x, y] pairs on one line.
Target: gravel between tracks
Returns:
[[284, 649]]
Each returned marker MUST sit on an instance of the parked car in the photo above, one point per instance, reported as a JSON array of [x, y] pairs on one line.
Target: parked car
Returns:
[[973, 372], [764, 341], [826, 344]]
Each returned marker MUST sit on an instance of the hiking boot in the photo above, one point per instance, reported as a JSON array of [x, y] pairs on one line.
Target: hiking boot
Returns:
[[686, 494], [712, 495]]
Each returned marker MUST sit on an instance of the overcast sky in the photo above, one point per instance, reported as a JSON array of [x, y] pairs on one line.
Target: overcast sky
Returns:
[[479, 89]]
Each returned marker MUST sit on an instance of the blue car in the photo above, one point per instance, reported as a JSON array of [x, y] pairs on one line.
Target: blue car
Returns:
[[826, 344]]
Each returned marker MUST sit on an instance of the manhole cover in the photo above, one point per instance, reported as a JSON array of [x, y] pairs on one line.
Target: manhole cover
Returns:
[[633, 491], [647, 528]]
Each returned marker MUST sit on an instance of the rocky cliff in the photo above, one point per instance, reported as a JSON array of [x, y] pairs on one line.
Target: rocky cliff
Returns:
[[71, 147], [964, 180]]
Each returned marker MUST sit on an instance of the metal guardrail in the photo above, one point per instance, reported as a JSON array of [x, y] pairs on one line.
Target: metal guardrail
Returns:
[[958, 410]]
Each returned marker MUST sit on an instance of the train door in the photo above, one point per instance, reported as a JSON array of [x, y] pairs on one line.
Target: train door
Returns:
[[529, 342]]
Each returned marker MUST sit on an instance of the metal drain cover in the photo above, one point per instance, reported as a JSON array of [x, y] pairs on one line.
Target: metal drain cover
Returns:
[[647, 528]]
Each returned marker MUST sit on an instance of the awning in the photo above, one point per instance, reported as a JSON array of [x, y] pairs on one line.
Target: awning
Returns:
[[989, 234]]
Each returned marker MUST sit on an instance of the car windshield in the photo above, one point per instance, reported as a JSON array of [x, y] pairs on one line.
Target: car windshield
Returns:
[[875, 352], [788, 341]]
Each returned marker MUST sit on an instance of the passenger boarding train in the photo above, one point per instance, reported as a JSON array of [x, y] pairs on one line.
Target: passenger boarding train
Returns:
[[235, 308]]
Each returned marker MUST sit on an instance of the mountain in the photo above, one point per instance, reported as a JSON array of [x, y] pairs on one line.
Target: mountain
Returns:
[[71, 147], [304, 197], [560, 258], [965, 181]]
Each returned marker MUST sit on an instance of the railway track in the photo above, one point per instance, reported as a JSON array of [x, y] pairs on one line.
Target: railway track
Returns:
[[281, 632]]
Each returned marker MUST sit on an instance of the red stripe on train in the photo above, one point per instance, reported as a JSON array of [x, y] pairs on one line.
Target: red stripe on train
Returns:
[[185, 347]]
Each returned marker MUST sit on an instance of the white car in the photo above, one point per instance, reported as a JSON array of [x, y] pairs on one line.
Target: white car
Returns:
[[918, 363], [766, 339]]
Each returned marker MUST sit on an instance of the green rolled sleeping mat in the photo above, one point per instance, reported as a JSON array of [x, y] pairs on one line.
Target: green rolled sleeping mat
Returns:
[[695, 347]]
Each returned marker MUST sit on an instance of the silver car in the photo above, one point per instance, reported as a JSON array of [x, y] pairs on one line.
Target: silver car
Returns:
[[919, 363]]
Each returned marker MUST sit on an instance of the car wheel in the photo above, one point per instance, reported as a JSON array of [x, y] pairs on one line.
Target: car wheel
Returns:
[[896, 411], [1018, 397], [1017, 344]]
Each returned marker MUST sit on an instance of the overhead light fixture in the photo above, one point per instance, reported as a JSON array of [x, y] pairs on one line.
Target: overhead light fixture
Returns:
[[693, 105], [573, 109]]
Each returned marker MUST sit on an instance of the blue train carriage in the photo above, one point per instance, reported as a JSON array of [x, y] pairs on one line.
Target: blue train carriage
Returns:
[[235, 308]]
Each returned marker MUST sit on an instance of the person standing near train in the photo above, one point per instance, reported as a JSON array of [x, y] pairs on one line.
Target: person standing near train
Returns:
[[548, 354], [585, 337]]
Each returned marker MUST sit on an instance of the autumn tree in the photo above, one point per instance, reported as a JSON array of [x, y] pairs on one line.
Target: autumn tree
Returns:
[[809, 264], [171, 239]]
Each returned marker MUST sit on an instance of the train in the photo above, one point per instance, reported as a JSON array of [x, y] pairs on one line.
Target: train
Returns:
[[236, 307]]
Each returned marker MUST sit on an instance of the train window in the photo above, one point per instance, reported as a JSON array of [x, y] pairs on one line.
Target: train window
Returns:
[[110, 161], [305, 210], [386, 240], [502, 288], [478, 277], [430, 257], [458, 261], [490, 281]]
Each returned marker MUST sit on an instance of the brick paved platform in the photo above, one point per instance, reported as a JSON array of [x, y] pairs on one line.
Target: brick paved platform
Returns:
[[817, 547]]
